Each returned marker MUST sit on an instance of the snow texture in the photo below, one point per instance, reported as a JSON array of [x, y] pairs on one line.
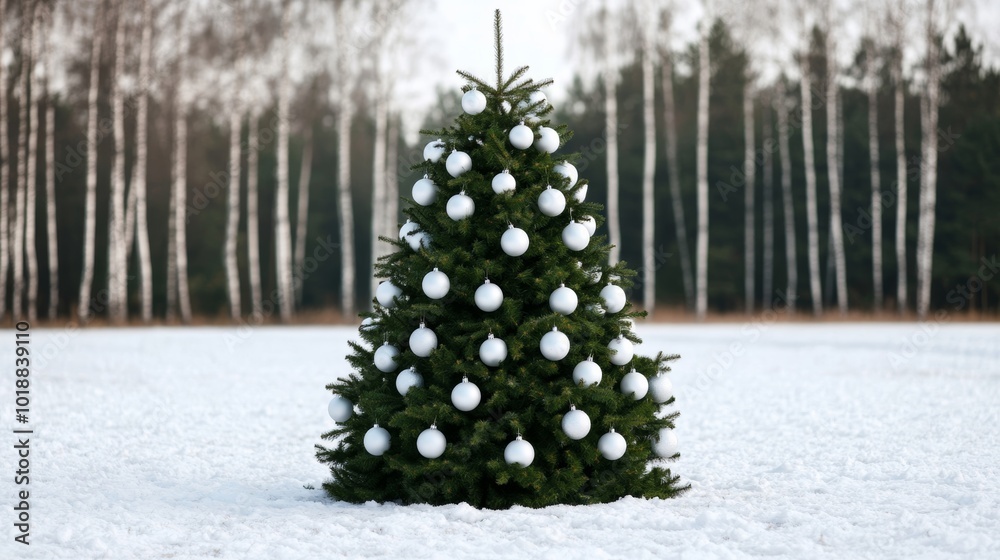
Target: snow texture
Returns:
[[798, 440]]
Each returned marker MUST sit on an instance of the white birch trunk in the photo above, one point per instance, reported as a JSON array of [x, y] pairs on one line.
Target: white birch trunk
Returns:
[[345, 204], [680, 227], [812, 221], [31, 153], [233, 216], [788, 206], [253, 227], [51, 231], [648, 175], [141, 154], [180, 212], [704, 69], [24, 153], [172, 237], [610, 78], [90, 205], [901, 178], [876, 179], [6, 163], [378, 181], [750, 172], [302, 213], [117, 264], [392, 177], [767, 213], [282, 230], [833, 173], [928, 175]]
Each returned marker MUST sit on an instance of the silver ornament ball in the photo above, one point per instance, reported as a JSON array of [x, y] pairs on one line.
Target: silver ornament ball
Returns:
[[612, 445], [576, 424], [340, 409], [436, 284], [489, 297], [386, 292], [551, 202], [434, 150], [563, 300], [423, 341], [431, 443], [466, 395], [567, 170], [575, 236], [587, 373], [614, 298], [424, 191], [408, 379], [548, 141], [503, 182], [635, 384], [554, 345], [493, 351], [385, 358], [514, 241], [460, 207], [473, 102], [621, 350], [377, 440], [458, 163], [521, 137], [519, 452], [661, 389]]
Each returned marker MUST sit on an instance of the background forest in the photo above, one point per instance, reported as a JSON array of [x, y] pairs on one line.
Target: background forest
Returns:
[[190, 160]]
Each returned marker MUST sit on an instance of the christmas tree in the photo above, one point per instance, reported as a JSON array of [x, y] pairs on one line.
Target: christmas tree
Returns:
[[497, 366]]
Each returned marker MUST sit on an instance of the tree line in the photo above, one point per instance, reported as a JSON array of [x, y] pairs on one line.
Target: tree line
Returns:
[[244, 158]]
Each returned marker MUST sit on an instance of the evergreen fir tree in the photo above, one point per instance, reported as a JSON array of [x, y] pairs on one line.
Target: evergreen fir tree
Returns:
[[526, 395]]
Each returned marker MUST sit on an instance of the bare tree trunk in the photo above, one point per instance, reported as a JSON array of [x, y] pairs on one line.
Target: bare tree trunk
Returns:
[[392, 176], [180, 212], [233, 216], [117, 263], [345, 203], [876, 181], [51, 231], [253, 227], [172, 234], [6, 167], [141, 154], [378, 180], [302, 213], [90, 208], [833, 172], [788, 207], [750, 171], [901, 179], [31, 153], [811, 217], [282, 229], [704, 69], [680, 228], [767, 276], [610, 78], [25, 152], [928, 175], [648, 175]]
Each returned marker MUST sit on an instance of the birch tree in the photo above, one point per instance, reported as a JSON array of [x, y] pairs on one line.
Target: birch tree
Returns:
[[25, 153], [673, 172], [90, 205], [233, 194], [6, 169], [704, 71], [117, 262], [767, 212], [392, 173], [833, 157], [812, 221], [787, 203], [141, 157], [647, 27], [345, 115], [610, 78], [381, 114], [302, 213], [253, 227], [177, 266], [897, 17], [282, 229], [31, 157], [871, 86]]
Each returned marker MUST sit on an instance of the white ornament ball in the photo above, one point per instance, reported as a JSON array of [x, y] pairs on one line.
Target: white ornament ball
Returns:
[[554, 345], [424, 191], [434, 150], [408, 379], [581, 193], [665, 443], [549, 140], [431, 443], [410, 232], [537, 97], [587, 373], [493, 351], [385, 294], [466, 395], [635, 384], [505, 105], [503, 182], [551, 202], [340, 409], [563, 300], [489, 296], [611, 445], [460, 207], [376, 440], [590, 223], [621, 350], [568, 170], [519, 452], [368, 323], [385, 358], [436, 284], [458, 163], [514, 241], [473, 102], [614, 298], [576, 423], [575, 236], [660, 388], [521, 136], [423, 341]]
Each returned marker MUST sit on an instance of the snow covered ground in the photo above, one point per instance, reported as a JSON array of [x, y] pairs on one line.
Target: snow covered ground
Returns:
[[799, 441]]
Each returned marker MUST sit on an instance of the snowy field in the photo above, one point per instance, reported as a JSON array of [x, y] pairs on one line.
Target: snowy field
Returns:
[[799, 441]]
